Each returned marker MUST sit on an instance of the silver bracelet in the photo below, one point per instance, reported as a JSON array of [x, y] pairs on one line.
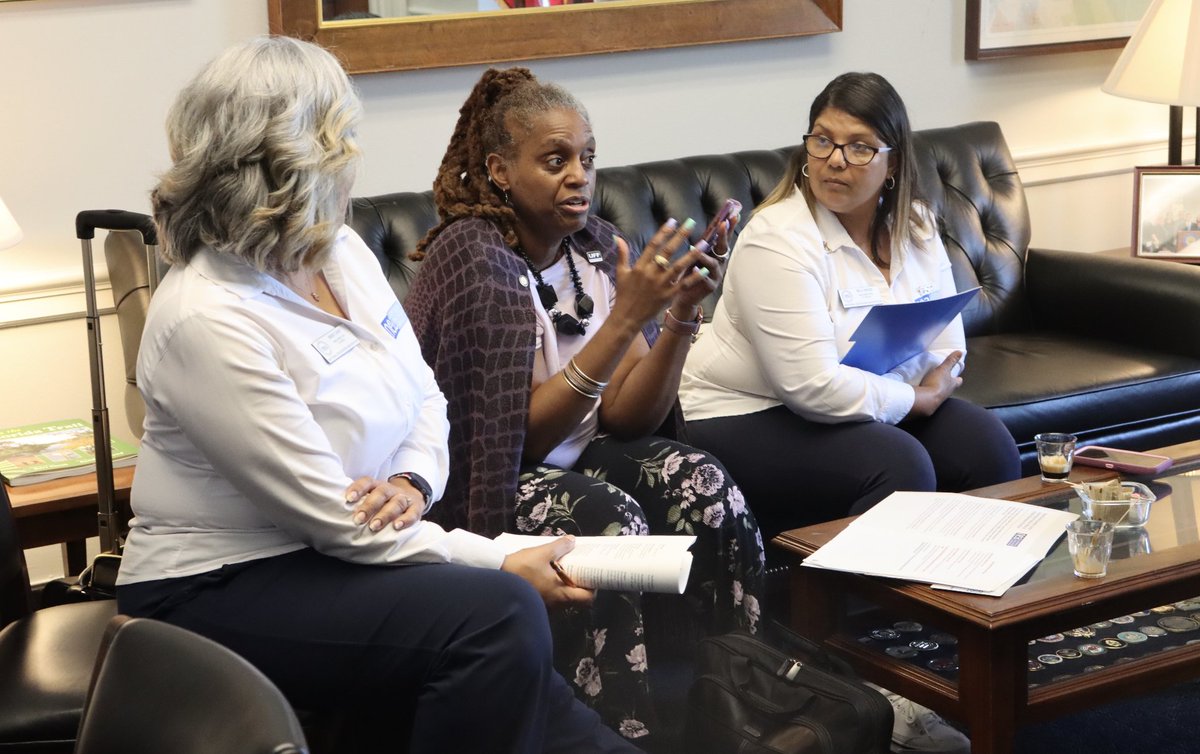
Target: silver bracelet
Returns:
[[584, 379], [573, 383]]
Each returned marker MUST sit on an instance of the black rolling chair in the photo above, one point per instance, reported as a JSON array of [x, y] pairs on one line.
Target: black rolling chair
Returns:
[[46, 656], [160, 688]]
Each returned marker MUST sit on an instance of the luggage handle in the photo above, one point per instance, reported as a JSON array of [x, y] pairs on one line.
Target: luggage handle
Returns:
[[740, 675], [88, 221]]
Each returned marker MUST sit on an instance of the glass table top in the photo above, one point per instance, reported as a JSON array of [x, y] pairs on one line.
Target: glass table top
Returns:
[[1174, 522]]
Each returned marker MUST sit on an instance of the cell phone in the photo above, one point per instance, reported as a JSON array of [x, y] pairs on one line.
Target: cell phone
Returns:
[[1121, 460], [731, 208]]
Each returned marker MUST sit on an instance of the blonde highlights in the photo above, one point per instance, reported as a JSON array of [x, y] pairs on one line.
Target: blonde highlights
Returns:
[[264, 156]]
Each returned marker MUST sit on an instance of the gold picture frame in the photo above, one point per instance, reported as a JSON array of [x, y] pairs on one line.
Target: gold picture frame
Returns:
[[374, 45]]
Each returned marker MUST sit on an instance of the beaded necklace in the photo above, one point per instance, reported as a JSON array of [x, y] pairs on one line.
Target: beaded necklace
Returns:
[[564, 323]]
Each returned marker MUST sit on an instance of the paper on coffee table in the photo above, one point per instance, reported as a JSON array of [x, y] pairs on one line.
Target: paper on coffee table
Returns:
[[656, 563], [955, 541]]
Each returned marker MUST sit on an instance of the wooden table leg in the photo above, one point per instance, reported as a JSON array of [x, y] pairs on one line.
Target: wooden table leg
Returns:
[[991, 683], [815, 607], [74, 555]]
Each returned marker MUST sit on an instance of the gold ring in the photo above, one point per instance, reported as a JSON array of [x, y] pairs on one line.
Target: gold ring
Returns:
[[662, 261]]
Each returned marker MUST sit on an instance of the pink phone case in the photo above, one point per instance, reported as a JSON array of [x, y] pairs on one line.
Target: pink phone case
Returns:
[[730, 208], [1145, 463]]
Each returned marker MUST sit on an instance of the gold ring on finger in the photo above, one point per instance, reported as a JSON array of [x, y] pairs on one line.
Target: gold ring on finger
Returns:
[[662, 261]]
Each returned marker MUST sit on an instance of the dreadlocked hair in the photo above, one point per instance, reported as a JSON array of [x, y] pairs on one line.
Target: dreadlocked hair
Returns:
[[501, 98]]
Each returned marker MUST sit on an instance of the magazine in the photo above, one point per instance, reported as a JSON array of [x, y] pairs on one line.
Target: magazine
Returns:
[[657, 563], [39, 452]]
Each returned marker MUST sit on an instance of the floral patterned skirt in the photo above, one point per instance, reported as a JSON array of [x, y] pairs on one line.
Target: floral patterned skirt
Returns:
[[638, 487]]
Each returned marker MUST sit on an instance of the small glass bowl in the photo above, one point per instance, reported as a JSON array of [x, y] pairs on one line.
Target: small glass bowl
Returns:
[[1122, 514]]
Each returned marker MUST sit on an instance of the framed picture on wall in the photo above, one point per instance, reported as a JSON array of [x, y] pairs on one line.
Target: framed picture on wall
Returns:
[[1007, 28], [1166, 213]]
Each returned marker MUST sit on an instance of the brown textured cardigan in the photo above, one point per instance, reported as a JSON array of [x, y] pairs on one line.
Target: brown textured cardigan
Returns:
[[476, 325]]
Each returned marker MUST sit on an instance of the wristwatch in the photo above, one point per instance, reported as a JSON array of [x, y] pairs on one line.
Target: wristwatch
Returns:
[[418, 481]]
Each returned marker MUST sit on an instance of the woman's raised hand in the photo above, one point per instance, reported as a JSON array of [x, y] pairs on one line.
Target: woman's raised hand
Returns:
[[647, 287]]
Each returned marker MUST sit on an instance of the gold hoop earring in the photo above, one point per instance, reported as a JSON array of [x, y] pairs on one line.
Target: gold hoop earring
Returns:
[[804, 170], [890, 182]]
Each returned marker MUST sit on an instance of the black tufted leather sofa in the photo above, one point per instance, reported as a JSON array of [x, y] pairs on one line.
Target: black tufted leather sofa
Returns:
[[1105, 347]]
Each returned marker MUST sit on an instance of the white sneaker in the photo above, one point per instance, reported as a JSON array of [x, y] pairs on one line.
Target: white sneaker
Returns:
[[918, 728]]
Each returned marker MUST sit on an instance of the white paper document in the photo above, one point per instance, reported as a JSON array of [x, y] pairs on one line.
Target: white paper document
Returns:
[[952, 541], [658, 563]]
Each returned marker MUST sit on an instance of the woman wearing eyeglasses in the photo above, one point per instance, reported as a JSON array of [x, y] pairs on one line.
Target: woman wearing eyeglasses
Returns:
[[541, 327], [809, 438]]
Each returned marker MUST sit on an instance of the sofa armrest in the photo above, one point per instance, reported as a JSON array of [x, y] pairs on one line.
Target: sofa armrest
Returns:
[[1150, 303]]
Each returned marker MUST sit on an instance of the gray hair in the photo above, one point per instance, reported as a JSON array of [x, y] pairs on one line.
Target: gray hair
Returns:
[[264, 155]]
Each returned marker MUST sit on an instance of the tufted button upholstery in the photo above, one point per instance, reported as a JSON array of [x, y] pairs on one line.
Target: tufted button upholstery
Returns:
[[1105, 371], [968, 175]]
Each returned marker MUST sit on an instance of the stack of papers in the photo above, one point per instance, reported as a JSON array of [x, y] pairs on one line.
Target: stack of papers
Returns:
[[950, 541]]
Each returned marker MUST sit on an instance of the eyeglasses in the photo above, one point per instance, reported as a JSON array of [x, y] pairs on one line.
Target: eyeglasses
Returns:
[[856, 154]]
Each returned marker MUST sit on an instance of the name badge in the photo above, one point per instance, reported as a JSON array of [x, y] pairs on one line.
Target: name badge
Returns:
[[394, 320], [335, 344], [864, 295], [925, 292], [594, 256]]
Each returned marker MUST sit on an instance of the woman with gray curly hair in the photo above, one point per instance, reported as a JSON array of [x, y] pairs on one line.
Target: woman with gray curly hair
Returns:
[[294, 437]]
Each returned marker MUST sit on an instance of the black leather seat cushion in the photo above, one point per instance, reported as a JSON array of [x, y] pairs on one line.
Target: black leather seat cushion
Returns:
[[46, 662], [1047, 382]]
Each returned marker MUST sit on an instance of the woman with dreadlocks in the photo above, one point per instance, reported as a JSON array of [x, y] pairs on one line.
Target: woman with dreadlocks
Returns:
[[541, 327]]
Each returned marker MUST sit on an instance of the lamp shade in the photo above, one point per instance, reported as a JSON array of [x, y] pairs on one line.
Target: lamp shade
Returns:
[[1161, 62], [10, 232]]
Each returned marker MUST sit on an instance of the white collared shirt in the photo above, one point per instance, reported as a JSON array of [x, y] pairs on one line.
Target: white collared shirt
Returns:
[[261, 408], [796, 289]]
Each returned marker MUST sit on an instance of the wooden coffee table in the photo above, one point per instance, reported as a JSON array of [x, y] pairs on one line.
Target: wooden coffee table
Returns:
[[996, 687]]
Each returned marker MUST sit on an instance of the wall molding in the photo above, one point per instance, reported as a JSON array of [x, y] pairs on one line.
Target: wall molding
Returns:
[[58, 304], [1064, 166]]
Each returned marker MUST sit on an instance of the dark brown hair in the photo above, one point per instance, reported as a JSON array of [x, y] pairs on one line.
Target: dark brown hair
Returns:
[[869, 98], [502, 98]]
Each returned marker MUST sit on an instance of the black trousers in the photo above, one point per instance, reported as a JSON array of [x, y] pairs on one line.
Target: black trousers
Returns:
[[464, 653], [795, 472]]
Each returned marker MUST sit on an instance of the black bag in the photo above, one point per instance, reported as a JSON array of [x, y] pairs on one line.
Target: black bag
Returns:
[[751, 698]]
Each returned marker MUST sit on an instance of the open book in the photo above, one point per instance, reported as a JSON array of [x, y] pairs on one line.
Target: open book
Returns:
[[659, 563], [891, 334], [950, 541]]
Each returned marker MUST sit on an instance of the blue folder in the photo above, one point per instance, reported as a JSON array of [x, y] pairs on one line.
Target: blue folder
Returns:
[[891, 334]]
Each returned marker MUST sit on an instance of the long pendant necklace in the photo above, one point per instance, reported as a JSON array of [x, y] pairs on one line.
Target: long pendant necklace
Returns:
[[564, 323]]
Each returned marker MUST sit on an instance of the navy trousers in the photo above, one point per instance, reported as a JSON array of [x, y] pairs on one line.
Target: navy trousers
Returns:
[[463, 654], [795, 472]]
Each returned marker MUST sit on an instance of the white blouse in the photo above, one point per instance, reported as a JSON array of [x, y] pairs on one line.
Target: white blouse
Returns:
[[261, 408], [796, 288], [555, 350]]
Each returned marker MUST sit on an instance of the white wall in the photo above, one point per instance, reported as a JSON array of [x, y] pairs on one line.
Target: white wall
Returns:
[[85, 85]]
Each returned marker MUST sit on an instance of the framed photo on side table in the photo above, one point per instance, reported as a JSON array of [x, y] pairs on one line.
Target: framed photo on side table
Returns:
[[1166, 213]]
